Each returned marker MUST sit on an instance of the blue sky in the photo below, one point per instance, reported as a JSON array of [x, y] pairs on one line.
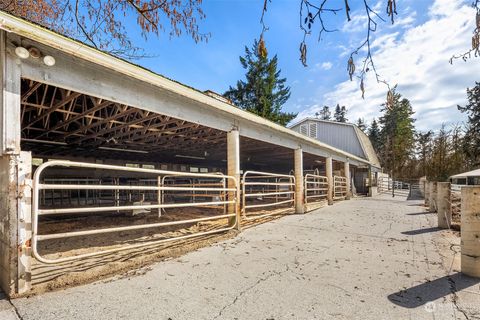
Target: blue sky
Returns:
[[412, 53]]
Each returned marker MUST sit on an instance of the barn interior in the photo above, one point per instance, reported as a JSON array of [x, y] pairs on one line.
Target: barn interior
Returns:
[[61, 124]]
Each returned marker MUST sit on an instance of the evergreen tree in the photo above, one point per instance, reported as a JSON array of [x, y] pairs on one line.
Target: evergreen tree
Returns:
[[264, 92], [440, 155], [324, 114], [458, 160], [340, 114], [471, 143], [397, 135], [361, 124], [374, 135], [424, 150]]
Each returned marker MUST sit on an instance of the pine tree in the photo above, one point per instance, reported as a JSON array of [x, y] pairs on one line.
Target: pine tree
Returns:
[[397, 135], [361, 124], [324, 114], [424, 150], [374, 135], [472, 135], [440, 155], [340, 114], [264, 92]]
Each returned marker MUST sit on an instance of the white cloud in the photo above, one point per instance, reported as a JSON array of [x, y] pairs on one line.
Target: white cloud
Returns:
[[417, 61], [322, 66], [326, 65]]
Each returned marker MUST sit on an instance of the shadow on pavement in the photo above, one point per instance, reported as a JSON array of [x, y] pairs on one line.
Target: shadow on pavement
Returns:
[[421, 231], [430, 291], [419, 213]]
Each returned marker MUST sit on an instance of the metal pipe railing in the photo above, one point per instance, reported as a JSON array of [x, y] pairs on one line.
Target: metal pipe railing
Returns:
[[315, 188], [256, 185], [339, 188], [229, 195]]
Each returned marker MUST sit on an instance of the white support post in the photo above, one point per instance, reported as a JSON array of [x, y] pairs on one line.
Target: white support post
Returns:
[[470, 226], [233, 169], [299, 192], [444, 213], [10, 124], [347, 175], [15, 177], [329, 172], [24, 228], [370, 182]]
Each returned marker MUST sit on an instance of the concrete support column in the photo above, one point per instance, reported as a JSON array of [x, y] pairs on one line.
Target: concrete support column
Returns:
[[347, 175], [432, 202], [444, 212], [329, 172], [299, 191], [370, 180], [233, 169], [427, 193], [470, 226], [15, 182], [16, 223]]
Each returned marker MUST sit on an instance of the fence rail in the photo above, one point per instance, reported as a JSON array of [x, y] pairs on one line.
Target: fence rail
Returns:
[[339, 188], [266, 190], [224, 196], [315, 188], [385, 185]]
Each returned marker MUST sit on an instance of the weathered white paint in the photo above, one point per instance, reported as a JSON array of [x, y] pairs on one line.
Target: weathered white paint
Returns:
[[329, 172], [24, 212], [10, 101], [15, 222], [298, 171], [347, 175], [233, 169]]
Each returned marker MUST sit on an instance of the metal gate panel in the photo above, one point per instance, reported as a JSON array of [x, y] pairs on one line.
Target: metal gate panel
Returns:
[[339, 188], [315, 188], [272, 190], [228, 196]]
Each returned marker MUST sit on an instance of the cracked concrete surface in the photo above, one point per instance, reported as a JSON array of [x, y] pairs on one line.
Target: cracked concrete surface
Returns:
[[368, 258]]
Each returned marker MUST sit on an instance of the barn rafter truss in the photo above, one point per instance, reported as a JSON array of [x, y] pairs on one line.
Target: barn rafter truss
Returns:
[[55, 116]]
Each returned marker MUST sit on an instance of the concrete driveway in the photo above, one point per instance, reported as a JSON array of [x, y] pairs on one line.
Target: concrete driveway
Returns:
[[367, 258]]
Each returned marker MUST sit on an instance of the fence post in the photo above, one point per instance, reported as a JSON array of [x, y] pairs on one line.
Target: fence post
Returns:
[[470, 226], [444, 210], [298, 165], [233, 169], [427, 193], [433, 197], [329, 171]]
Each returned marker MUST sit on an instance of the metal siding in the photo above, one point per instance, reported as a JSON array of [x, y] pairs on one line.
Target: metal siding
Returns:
[[340, 136], [337, 135]]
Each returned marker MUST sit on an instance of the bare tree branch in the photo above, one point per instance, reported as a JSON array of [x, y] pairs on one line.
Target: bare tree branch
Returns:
[[475, 50]]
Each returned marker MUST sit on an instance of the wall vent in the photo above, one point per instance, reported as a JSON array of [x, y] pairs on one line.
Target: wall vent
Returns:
[[312, 130]]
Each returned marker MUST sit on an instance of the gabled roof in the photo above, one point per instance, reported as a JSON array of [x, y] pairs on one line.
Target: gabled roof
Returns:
[[363, 140], [473, 173]]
